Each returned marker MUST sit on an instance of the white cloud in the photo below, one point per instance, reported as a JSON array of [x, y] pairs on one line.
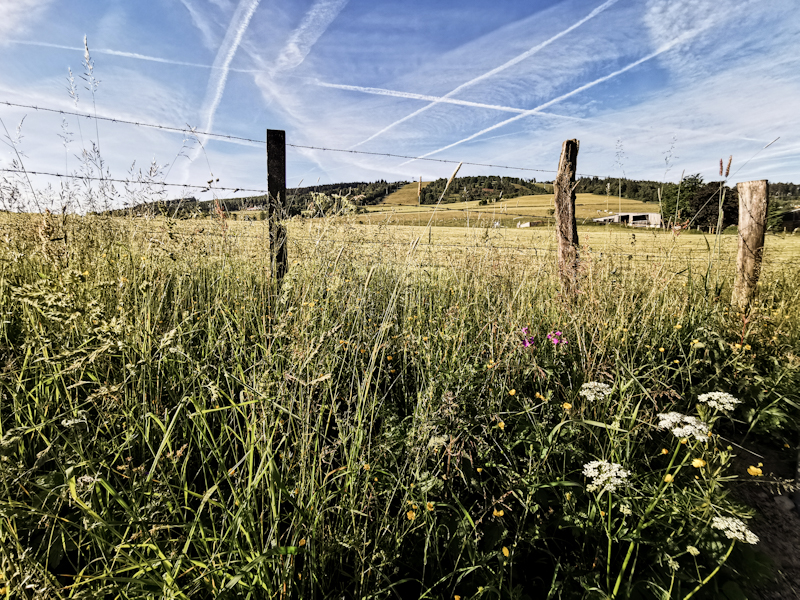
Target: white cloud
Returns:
[[17, 16]]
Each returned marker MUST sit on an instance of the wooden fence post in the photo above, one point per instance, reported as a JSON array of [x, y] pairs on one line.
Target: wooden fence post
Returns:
[[276, 191], [753, 204], [566, 227]]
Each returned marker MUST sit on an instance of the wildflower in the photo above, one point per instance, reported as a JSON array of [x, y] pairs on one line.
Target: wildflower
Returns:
[[594, 390], [698, 463], [505, 552], [498, 513], [502, 426], [479, 469], [754, 471], [556, 337], [719, 400], [302, 542], [747, 347], [692, 550], [605, 476], [672, 563], [366, 466], [661, 349], [668, 478], [678, 326], [539, 396], [566, 406], [683, 426], [429, 506], [734, 529], [389, 358], [512, 392], [626, 510]]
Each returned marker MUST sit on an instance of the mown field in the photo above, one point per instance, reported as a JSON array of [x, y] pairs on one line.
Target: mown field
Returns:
[[400, 208], [396, 419]]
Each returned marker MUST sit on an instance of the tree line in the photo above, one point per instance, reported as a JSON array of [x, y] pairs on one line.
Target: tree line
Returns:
[[484, 188]]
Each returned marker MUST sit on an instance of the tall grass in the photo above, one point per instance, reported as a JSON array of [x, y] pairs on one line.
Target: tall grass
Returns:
[[174, 425]]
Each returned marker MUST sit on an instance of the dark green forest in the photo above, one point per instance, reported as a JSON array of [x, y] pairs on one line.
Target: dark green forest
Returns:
[[481, 188]]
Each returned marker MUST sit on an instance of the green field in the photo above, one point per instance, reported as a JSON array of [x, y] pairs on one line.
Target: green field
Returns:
[[397, 418]]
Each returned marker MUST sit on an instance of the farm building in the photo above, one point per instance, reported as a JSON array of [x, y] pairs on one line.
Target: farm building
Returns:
[[633, 219]]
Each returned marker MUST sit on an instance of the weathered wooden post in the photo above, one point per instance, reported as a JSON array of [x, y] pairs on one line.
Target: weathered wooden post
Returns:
[[753, 203], [566, 227], [276, 191]]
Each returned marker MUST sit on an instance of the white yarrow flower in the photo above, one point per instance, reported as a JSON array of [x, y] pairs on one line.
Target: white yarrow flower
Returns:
[[605, 476], [692, 550], [595, 390], [719, 400], [734, 529], [683, 426]]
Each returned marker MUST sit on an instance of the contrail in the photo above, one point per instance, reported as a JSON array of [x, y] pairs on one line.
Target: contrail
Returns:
[[227, 50], [313, 25], [134, 55], [496, 70], [413, 96], [511, 109], [582, 88]]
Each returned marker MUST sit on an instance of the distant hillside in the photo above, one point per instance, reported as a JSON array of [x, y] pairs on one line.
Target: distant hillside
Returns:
[[486, 188], [358, 193]]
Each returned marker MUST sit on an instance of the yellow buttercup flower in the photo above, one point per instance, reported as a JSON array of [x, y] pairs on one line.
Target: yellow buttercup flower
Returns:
[[411, 515], [502, 426], [429, 506], [668, 478], [754, 471], [498, 513], [698, 463], [664, 451], [566, 406], [302, 542], [505, 552], [512, 392]]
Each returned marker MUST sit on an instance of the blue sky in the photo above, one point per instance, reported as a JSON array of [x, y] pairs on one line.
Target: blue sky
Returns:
[[501, 82]]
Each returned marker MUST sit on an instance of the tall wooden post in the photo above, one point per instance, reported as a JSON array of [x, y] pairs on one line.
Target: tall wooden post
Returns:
[[753, 204], [276, 189], [566, 226]]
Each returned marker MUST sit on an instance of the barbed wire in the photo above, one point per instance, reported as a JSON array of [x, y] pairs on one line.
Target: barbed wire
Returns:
[[196, 132], [203, 188]]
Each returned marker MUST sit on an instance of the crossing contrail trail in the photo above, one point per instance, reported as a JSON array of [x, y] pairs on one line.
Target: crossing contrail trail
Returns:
[[517, 59], [578, 90], [222, 62]]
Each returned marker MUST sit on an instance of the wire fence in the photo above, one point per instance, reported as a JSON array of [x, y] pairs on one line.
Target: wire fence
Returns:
[[194, 132], [486, 211]]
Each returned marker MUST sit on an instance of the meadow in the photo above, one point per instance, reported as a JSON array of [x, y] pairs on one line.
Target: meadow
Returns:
[[397, 418], [401, 208]]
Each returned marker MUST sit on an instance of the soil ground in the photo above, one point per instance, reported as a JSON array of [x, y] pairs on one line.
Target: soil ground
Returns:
[[777, 523]]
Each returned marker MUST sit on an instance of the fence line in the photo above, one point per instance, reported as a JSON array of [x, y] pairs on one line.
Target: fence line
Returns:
[[196, 132], [203, 188]]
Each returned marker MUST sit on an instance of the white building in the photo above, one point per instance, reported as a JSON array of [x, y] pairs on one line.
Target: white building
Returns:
[[633, 219]]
